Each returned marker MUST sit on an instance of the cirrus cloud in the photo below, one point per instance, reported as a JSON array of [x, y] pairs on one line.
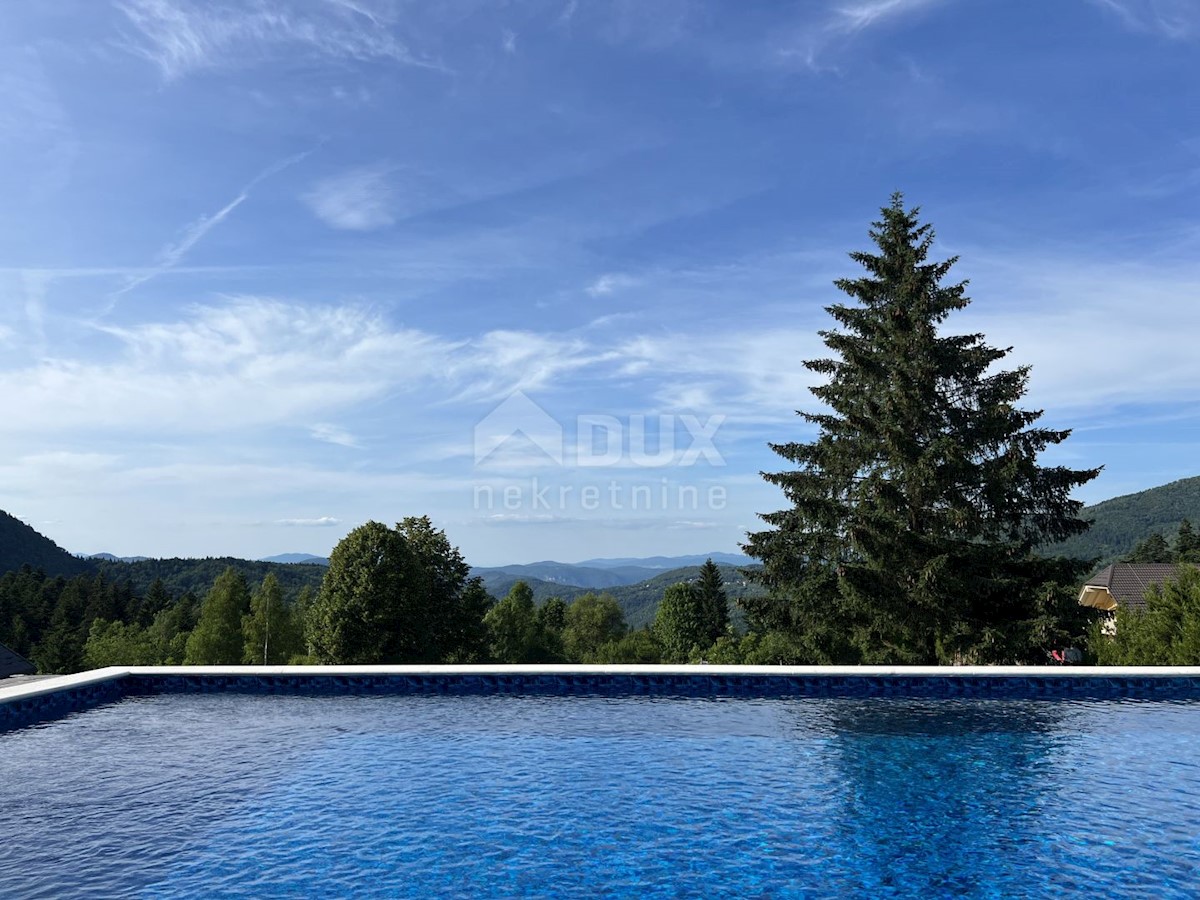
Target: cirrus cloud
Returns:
[[357, 200]]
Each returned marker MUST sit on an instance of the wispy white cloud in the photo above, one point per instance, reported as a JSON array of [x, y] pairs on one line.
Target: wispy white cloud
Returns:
[[247, 365], [1172, 19], [811, 41], [358, 200], [1099, 334], [501, 362], [321, 522], [246, 362], [608, 284], [182, 36], [748, 374], [334, 434], [172, 254], [857, 16], [252, 362], [508, 40], [567, 14]]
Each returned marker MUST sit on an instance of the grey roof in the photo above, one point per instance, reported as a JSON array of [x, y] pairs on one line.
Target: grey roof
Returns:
[[13, 663], [1128, 582]]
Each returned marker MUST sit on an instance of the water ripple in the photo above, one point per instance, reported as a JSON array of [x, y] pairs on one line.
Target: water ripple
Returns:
[[245, 796]]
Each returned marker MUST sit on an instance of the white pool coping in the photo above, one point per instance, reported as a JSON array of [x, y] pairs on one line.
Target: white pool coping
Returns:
[[53, 685]]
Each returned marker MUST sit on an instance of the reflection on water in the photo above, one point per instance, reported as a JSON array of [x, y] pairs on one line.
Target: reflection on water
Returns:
[[944, 797]]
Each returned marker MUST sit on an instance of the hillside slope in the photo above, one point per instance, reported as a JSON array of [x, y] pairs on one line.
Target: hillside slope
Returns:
[[1120, 523], [198, 575], [638, 601], [565, 574], [20, 545]]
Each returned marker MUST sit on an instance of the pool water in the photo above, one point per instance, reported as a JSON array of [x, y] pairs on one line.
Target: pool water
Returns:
[[238, 795]]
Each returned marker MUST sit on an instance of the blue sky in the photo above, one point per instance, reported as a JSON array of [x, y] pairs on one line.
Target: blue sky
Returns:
[[268, 268]]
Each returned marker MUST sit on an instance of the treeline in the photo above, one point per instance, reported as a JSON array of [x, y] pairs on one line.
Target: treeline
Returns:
[[395, 596], [181, 576], [390, 595], [1156, 549], [1119, 524], [48, 619], [691, 617], [90, 621]]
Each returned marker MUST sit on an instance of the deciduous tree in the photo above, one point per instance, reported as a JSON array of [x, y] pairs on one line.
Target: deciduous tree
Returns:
[[118, 644], [682, 622], [551, 618], [269, 629], [397, 595], [590, 622], [513, 628], [217, 638], [1165, 632]]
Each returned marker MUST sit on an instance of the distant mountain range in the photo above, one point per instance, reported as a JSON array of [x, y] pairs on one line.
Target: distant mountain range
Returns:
[[591, 573], [109, 557], [668, 562], [636, 583], [303, 558], [600, 573], [638, 600]]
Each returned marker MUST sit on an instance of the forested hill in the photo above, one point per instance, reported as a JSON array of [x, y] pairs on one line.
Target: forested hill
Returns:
[[1120, 523], [181, 576], [638, 601], [20, 545]]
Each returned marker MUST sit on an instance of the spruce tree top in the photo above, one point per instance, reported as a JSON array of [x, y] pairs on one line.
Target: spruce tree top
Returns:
[[919, 423]]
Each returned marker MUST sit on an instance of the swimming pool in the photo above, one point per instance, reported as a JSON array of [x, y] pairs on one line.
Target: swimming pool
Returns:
[[609, 785]]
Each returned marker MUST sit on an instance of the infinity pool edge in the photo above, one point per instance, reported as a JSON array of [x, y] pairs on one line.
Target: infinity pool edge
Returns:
[[33, 703]]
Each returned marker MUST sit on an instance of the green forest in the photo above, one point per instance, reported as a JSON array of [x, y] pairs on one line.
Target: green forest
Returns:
[[399, 595], [916, 527]]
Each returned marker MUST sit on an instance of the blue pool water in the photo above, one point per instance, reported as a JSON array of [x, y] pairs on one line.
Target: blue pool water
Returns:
[[236, 795]]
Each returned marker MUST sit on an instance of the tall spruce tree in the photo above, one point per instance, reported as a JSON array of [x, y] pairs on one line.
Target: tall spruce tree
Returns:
[[1153, 549], [915, 511], [1187, 544], [711, 588]]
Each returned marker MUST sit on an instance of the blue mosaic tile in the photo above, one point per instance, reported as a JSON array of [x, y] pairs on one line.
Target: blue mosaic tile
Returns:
[[44, 707], [31, 710], [698, 685]]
